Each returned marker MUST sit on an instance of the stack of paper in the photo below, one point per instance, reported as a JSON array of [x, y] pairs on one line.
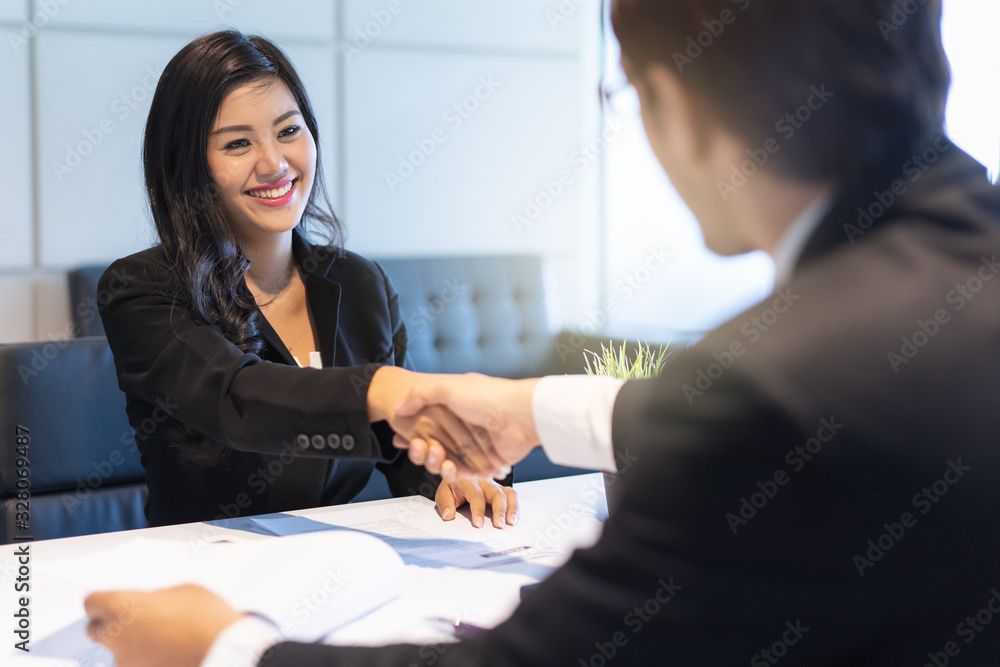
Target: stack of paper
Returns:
[[309, 585]]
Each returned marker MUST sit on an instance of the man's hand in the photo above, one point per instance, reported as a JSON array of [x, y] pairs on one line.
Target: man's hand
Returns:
[[499, 408], [478, 493], [174, 627], [470, 448]]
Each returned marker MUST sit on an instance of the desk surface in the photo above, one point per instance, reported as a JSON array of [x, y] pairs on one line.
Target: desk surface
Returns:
[[561, 514]]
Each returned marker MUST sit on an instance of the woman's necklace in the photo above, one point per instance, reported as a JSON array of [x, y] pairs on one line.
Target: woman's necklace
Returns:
[[272, 297]]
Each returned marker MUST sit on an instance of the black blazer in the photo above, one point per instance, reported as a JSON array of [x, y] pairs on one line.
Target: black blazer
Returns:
[[300, 437], [817, 482]]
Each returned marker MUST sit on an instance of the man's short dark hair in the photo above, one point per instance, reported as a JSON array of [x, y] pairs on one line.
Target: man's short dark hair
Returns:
[[878, 65]]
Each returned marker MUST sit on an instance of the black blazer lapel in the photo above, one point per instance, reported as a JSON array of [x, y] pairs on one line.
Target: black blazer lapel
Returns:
[[272, 340], [322, 293]]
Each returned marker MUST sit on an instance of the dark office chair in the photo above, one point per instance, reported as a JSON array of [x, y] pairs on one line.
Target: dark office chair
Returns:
[[64, 437]]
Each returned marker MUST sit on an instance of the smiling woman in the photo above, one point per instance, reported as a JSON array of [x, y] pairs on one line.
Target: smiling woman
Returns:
[[282, 358], [253, 141]]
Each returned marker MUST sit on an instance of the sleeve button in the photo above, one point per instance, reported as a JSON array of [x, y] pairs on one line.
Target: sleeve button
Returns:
[[318, 442], [348, 442], [333, 441], [302, 440]]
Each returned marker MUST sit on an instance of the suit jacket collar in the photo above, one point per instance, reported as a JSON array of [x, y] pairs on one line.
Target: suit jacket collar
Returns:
[[855, 214], [323, 296]]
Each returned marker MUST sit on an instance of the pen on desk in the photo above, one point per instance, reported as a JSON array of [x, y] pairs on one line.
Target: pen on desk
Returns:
[[464, 630], [461, 629]]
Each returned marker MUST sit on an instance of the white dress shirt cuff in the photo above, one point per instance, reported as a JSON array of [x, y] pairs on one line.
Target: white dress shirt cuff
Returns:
[[242, 644], [572, 415]]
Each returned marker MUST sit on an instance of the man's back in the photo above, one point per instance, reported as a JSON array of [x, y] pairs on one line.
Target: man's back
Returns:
[[829, 458]]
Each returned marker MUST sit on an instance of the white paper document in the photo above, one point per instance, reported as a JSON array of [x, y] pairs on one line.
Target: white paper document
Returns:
[[309, 585], [416, 532]]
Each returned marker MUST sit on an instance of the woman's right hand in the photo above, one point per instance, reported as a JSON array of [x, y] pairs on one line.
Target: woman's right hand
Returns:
[[469, 447]]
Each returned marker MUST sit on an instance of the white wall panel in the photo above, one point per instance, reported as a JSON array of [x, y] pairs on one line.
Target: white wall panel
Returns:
[[54, 321], [316, 68], [16, 244], [406, 66], [13, 10], [92, 109], [16, 309], [536, 25], [312, 19], [472, 168]]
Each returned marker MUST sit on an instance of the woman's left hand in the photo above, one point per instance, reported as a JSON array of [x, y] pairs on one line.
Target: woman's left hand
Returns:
[[478, 493]]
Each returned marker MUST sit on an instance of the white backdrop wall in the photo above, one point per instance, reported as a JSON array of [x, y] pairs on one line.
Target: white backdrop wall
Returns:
[[440, 121]]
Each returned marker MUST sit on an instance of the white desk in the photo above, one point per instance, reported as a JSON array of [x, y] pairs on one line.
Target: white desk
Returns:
[[563, 514]]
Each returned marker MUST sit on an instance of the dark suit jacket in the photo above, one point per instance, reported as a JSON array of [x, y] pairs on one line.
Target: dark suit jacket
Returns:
[[817, 482], [300, 437]]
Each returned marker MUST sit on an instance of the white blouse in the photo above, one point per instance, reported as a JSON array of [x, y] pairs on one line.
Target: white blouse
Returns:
[[315, 361]]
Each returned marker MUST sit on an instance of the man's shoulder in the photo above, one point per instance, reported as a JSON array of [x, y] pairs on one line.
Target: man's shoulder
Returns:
[[877, 324], [850, 295]]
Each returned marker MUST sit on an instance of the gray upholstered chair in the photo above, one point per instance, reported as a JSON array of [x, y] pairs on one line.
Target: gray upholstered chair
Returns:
[[63, 421]]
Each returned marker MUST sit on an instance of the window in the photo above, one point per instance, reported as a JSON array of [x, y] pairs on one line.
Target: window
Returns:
[[693, 290], [969, 32]]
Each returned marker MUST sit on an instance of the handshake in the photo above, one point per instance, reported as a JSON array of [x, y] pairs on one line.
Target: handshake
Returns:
[[456, 425]]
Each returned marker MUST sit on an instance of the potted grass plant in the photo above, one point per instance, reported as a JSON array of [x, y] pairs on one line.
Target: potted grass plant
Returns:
[[646, 362]]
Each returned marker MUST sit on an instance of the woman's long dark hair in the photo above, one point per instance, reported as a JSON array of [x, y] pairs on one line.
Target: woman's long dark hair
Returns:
[[204, 255]]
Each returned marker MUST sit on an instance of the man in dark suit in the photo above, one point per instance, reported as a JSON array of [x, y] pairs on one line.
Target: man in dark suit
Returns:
[[814, 482]]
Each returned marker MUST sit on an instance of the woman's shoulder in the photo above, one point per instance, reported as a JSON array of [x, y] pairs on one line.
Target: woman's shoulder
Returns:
[[149, 265], [351, 267]]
